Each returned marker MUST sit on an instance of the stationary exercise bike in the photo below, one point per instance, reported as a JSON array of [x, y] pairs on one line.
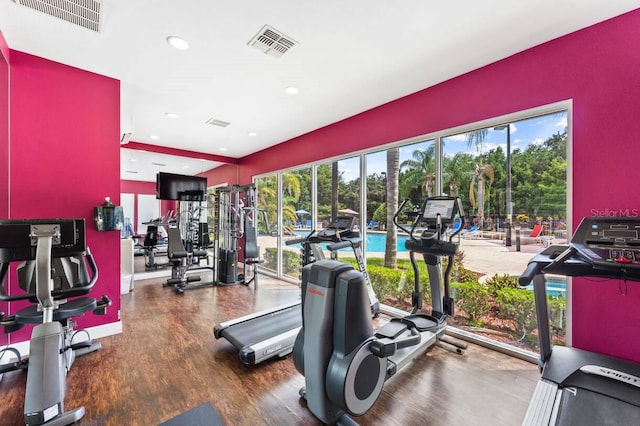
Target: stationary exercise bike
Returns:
[[344, 362], [54, 269]]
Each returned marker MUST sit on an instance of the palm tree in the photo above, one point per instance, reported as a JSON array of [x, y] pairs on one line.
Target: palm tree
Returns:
[[290, 196], [420, 172], [393, 171], [479, 176]]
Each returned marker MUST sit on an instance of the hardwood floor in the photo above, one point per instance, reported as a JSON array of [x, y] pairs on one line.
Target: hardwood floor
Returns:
[[167, 361]]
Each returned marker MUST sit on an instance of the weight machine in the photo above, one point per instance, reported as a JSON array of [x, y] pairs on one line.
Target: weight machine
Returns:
[[188, 244], [236, 222]]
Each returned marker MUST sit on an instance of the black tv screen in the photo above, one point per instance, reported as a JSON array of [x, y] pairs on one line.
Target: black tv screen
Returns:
[[170, 186]]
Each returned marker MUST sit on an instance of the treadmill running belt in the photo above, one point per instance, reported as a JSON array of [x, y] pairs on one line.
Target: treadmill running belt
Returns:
[[265, 327], [591, 408]]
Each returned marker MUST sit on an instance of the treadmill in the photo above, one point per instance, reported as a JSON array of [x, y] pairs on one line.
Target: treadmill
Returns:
[[272, 333], [580, 387]]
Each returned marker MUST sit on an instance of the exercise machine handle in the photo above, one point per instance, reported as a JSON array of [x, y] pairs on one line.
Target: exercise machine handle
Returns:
[[339, 245], [383, 348], [299, 240], [531, 271], [395, 220]]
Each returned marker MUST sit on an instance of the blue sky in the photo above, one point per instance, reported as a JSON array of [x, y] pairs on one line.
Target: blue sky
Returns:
[[523, 133]]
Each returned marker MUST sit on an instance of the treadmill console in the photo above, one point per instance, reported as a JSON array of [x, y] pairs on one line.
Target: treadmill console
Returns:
[[339, 228], [612, 242]]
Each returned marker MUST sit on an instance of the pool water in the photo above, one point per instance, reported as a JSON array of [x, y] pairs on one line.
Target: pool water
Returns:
[[556, 286], [376, 242]]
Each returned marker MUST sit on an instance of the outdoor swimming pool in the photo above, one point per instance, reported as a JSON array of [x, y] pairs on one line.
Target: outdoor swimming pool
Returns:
[[375, 242]]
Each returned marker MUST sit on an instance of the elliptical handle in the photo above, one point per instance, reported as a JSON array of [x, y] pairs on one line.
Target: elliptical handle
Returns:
[[395, 221]]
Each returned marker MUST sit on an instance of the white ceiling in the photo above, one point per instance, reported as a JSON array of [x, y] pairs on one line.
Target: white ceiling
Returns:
[[351, 56]]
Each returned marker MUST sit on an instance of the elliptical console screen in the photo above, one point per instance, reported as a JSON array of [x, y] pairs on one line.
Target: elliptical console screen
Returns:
[[445, 207]]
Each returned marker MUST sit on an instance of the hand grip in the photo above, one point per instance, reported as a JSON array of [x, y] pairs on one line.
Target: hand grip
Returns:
[[339, 245], [531, 271]]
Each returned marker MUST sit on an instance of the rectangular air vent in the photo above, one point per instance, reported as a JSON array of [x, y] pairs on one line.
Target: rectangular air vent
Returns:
[[85, 13], [159, 164], [272, 42], [216, 122]]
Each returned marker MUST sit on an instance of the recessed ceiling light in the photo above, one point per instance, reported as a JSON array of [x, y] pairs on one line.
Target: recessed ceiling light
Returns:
[[253, 134], [154, 136], [291, 90], [186, 166], [223, 149], [171, 114], [133, 160], [177, 42]]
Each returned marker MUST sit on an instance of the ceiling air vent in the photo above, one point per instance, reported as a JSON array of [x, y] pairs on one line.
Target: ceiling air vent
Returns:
[[159, 164], [272, 42], [85, 13], [216, 122]]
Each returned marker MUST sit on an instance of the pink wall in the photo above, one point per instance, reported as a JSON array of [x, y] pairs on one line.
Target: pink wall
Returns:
[[599, 68], [227, 173], [4, 147], [65, 158]]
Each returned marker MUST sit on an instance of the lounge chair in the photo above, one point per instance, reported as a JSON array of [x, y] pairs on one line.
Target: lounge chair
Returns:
[[471, 232], [534, 237]]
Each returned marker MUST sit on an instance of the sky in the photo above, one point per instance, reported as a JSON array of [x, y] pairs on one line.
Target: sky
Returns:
[[523, 133]]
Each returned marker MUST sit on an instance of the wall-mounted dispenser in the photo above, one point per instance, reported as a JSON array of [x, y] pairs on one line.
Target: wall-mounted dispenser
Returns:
[[108, 217]]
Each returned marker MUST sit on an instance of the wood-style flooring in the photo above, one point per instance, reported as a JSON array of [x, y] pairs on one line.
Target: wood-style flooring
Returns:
[[167, 361]]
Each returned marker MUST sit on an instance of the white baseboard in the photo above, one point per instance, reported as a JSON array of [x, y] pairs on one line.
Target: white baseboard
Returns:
[[96, 332]]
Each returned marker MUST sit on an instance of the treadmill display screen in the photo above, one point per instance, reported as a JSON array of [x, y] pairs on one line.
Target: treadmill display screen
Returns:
[[343, 223], [620, 233]]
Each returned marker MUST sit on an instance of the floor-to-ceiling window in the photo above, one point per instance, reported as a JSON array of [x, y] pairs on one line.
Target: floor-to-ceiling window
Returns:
[[268, 221], [512, 213], [512, 178], [297, 212]]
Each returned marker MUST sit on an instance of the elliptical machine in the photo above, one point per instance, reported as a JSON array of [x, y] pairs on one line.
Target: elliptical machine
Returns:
[[344, 363]]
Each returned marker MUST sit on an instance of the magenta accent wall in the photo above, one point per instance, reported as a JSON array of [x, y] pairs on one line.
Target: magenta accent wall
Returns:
[[227, 173], [4, 146], [65, 158], [599, 69]]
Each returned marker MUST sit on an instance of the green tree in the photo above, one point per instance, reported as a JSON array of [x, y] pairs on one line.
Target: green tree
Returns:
[[418, 172]]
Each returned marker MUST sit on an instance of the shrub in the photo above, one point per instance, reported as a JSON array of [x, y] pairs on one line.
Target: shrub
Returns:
[[290, 260], [458, 272], [518, 305], [473, 299], [557, 315], [498, 282]]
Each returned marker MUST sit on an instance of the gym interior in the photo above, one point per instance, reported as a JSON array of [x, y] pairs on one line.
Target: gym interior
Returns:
[[95, 267]]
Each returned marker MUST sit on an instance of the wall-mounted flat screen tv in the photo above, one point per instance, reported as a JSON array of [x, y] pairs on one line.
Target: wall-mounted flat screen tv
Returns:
[[170, 186]]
